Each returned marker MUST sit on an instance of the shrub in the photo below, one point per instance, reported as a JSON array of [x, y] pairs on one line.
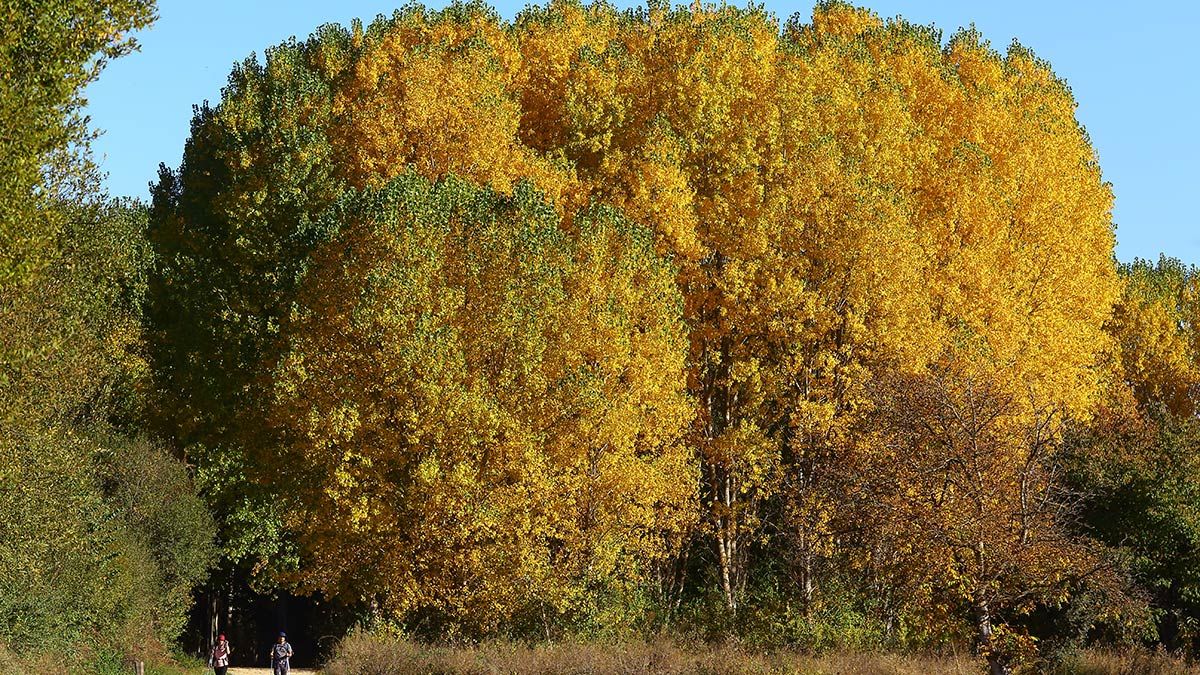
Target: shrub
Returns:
[[94, 560]]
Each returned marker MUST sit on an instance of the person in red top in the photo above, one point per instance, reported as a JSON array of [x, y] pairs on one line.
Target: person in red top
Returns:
[[218, 658]]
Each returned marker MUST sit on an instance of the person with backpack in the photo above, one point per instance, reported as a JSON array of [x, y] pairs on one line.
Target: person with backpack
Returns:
[[281, 654], [218, 657]]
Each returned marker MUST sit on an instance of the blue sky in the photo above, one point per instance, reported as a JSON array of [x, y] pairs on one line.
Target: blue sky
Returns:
[[1133, 67]]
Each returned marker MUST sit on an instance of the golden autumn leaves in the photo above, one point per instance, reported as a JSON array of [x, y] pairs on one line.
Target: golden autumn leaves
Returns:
[[489, 396], [481, 410]]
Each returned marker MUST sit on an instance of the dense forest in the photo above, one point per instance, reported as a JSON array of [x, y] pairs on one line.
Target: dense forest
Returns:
[[589, 325]]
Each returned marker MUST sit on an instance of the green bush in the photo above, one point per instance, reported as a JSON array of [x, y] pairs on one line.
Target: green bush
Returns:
[[87, 564], [165, 520], [114, 663], [65, 551]]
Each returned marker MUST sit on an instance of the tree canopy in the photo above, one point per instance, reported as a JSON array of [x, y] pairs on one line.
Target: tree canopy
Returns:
[[405, 245]]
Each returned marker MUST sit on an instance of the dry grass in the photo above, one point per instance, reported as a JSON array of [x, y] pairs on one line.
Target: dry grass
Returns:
[[366, 655], [370, 655], [1102, 662], [36, 663]]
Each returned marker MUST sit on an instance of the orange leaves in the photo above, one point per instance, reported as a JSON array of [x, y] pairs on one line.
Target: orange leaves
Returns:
[[965, 491]]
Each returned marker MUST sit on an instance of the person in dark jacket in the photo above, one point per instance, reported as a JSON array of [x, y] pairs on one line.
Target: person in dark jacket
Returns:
[[281, 654]]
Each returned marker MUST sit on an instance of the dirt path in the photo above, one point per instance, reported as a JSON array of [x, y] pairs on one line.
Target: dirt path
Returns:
[[268, 671]]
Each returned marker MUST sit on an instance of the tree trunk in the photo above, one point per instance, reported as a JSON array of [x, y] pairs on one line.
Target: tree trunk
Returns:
[[807, 578], [729, 553], [374, 612], [214, 617], [998, 662], [228, 609]]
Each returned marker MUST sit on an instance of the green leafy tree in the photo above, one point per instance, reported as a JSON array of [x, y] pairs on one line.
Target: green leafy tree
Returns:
[[49, 51], [163, 516], [231, 230], [104, 536], [1141, 477], [92, 556]]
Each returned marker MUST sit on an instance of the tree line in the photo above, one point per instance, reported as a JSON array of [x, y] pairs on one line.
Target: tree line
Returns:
[[600, 323], [102, 536]]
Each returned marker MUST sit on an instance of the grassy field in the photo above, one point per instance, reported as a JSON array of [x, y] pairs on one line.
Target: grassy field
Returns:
[[367, 655]]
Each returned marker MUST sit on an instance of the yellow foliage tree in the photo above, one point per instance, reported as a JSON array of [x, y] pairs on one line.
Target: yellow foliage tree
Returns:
[[482, 417], [842, 199], [1153, 326], [699, 124], [434, 92]]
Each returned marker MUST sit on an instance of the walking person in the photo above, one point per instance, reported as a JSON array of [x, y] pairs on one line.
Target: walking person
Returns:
[[218, 657], [281, 654]]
